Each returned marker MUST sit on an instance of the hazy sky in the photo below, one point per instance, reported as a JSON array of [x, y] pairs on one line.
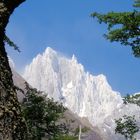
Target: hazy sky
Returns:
[[66, 26]]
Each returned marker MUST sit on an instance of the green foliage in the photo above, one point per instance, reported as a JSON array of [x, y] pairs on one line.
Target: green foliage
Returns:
[[83, 130], [137, 3], [11, 43], [42, 115], [76, 131], [65, 137], [133, 99], [127, 127], [123, 27]]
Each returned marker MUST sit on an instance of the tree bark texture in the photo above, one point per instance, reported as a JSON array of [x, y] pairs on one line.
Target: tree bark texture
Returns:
[[12, 125]]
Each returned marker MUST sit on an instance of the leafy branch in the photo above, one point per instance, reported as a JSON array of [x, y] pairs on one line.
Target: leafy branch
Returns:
[[11, 43]]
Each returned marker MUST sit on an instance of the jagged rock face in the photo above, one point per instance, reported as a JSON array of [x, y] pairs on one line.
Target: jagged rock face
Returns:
[[64, 79], [89, 96], [71, 119]]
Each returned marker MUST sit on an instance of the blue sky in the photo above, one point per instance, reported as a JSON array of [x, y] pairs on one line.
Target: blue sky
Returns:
[[66, 26]]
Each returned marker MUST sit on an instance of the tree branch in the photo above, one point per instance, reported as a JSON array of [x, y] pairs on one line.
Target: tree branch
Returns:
[[7, 7]]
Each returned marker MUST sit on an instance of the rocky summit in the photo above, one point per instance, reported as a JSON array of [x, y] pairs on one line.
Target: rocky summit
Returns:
[[85, 94]]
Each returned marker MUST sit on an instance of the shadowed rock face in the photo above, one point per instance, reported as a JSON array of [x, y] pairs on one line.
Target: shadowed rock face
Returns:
[[20, 83], [91, 136], [73, 120], [92, 133]]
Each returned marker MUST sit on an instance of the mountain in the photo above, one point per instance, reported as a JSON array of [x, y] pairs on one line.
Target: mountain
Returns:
[[87, 95], [71, 120]]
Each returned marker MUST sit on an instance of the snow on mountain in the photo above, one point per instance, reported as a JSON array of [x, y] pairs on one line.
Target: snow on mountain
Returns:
[[11, 62], [83, 93]]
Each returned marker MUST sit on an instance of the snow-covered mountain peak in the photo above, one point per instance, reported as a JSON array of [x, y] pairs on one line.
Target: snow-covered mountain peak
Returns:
[[66, 79], [74, 59], [49, 51], [85, 94]]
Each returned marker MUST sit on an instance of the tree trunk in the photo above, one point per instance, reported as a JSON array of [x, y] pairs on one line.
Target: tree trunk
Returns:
[[12, 125]]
